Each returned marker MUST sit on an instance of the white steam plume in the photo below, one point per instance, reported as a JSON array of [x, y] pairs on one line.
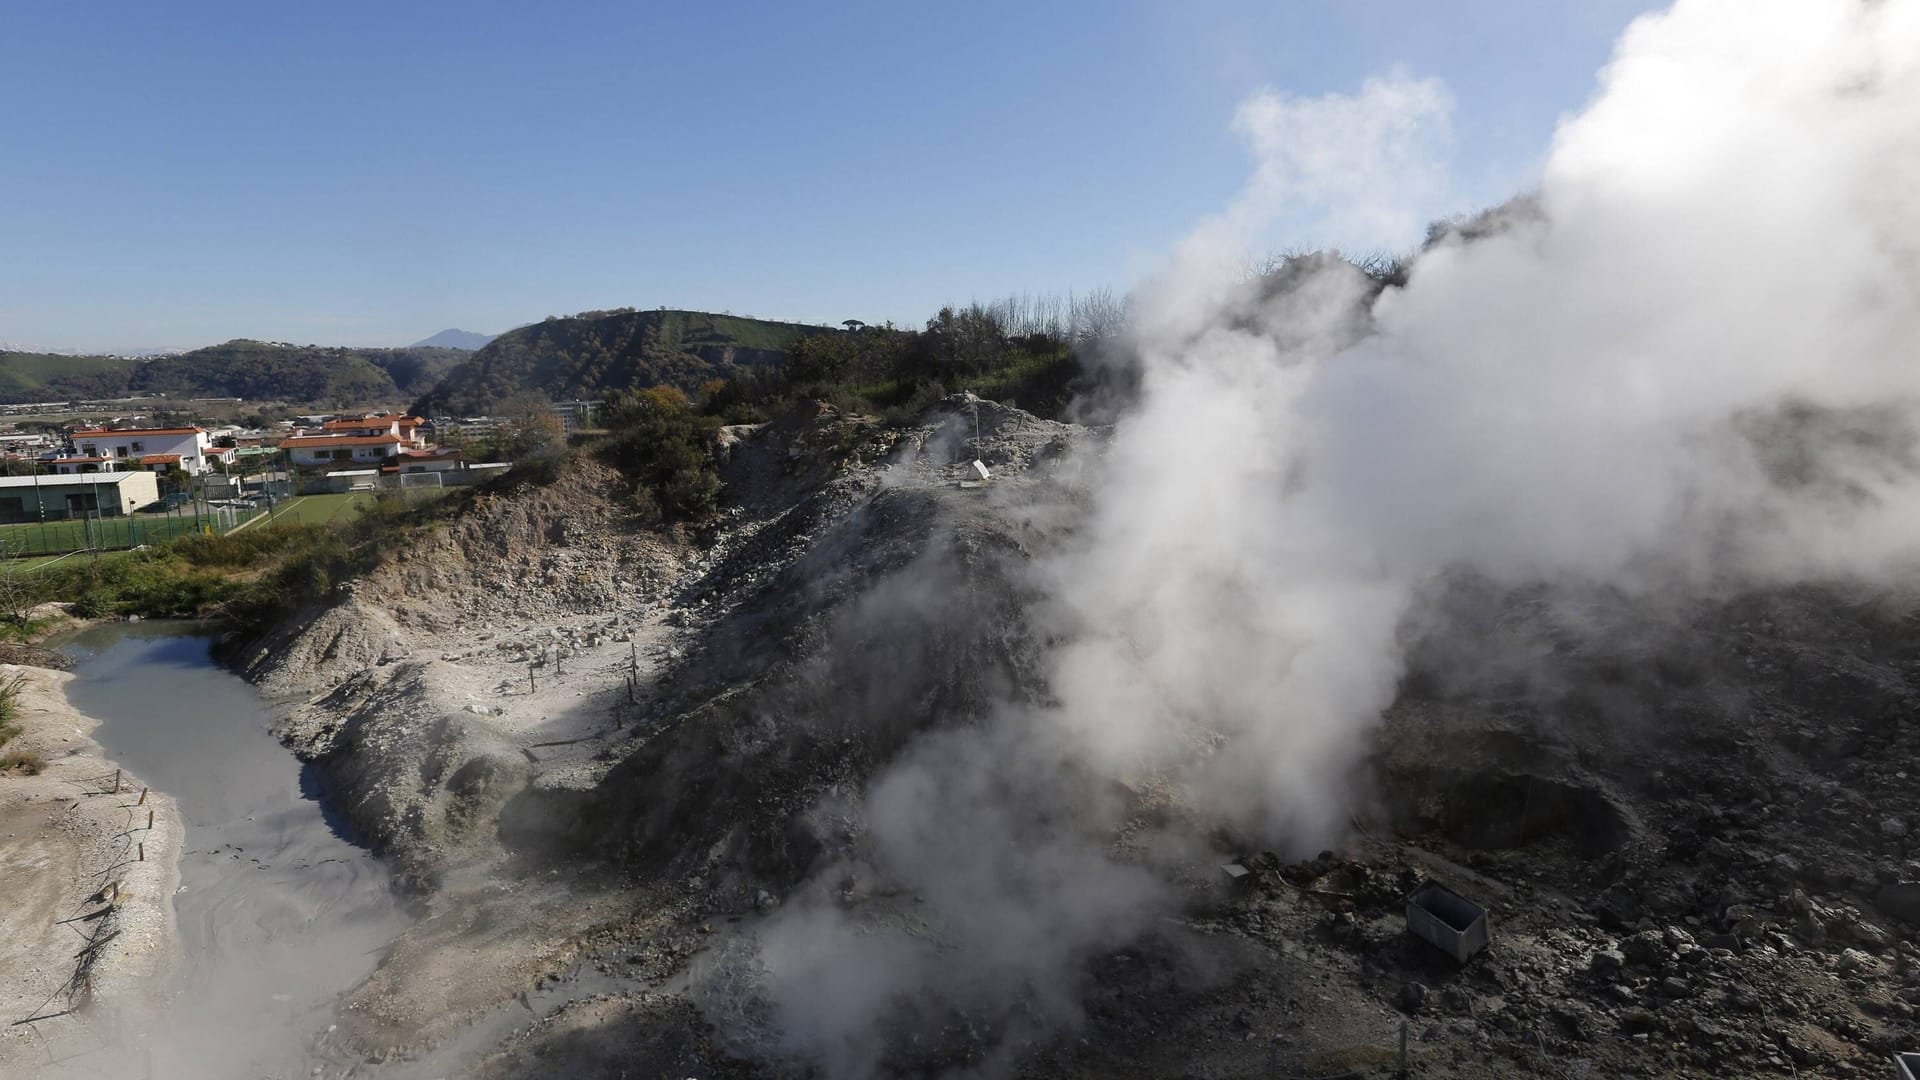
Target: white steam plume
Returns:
[[1726, 232], [1726, 235]]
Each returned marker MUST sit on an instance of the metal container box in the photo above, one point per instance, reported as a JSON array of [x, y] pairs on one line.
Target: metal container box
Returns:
[[1906, 1066], [1448, 921]]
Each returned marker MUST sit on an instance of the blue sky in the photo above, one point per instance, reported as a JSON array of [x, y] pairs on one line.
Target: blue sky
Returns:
[[358, 173]]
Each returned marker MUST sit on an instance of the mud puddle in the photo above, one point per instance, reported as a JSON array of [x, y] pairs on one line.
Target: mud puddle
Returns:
[[279, 911]]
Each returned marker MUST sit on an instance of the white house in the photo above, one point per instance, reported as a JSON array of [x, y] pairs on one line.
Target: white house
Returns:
[[148, 449], [316, 451], [393, 441]]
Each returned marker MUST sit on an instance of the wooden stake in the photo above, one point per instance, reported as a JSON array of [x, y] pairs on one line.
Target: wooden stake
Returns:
[[143, 798], [143, 852], [530, 686], [116, 781], [149, 819]]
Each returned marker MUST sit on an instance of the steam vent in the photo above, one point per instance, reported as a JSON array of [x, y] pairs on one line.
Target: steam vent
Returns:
[[1418, 578]]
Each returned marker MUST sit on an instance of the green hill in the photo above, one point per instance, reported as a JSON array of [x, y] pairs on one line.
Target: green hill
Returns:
[[26, 376], [593, 353], [325, 376]]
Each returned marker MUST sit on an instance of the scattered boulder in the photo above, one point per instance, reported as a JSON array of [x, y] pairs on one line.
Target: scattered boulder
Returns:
[[1647, 949], [1413, 997], [1852, 960], [1607, 963], [1637, 1021]]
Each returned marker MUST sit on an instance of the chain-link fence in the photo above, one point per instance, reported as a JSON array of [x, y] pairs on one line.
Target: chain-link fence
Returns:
[[59, 534]]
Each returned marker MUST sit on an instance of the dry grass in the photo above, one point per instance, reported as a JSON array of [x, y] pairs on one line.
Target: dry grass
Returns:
[[24, 762]]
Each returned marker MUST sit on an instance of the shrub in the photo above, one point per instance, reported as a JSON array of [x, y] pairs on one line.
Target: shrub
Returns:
[[10, 701], [666, 450], [25, 762], [249, 547], [92, 604]]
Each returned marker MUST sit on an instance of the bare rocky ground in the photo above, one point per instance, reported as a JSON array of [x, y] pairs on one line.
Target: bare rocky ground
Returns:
[[598, 754], [87, 935]]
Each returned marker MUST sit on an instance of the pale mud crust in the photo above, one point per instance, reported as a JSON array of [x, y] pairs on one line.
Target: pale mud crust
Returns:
[[468, 700], [64, 837]]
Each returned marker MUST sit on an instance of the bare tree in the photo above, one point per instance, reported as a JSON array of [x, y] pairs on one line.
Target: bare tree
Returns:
[[17, 593], [1098, 315]]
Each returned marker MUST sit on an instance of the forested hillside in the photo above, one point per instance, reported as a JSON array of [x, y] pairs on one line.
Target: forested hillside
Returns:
[[26, 376], [323, 376], [597, 352]]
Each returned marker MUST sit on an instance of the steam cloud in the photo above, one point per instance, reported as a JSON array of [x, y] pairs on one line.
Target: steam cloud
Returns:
[[1688, 358]]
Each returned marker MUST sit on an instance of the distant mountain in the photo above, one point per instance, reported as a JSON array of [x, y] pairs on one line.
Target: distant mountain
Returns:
[[595, 352], [131, 350], [324, 376], [455, 339]]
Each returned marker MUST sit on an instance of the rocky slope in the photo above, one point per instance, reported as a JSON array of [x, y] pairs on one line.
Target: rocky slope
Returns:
[[607, 758]]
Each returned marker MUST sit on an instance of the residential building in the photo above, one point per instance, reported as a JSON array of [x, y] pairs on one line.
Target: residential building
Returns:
[[576, 414], [323, 451], [407, 428], [392, 442], [150, 449]]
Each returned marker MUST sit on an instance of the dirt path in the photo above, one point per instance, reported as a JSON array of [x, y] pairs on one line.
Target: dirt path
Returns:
[[87, 934]]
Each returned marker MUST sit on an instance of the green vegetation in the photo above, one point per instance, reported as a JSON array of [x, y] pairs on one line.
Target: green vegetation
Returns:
[[34, 562], [659, 425], [320, 509], [27, 376], [255, 572], [665, 448], [1017, 351], [595, 353], [253, 370], [190, 576], [316, 558]]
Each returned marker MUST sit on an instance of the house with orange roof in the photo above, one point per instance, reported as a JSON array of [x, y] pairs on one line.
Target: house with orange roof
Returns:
[[392, 442], [406, 428]]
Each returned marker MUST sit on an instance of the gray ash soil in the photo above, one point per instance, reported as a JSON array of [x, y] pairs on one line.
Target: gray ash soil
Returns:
[[604, 755]]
